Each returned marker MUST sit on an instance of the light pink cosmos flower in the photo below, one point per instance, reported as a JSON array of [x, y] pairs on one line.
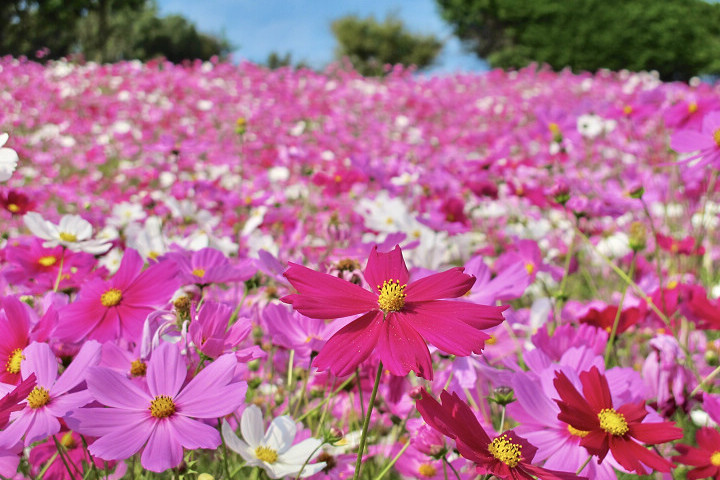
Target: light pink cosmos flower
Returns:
[[110, 309], [400, 316], [163, 418], [209, 265], [706, 142], [51, 399]]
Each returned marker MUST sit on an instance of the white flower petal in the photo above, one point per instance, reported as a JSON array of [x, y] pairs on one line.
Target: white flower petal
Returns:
[[37, 225], [234, 443], [251, 426], [300, 452], [280, 434]]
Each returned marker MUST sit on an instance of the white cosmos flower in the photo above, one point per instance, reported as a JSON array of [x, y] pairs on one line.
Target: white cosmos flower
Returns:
[[73, 232], [272, 450], [8, 159]]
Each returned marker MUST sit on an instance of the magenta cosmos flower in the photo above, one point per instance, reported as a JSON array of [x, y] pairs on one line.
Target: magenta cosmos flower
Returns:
[[110, 309], [398, 317], [706, 142], [161, 418]]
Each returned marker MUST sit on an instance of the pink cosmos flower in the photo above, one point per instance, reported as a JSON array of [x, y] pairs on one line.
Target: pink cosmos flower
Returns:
[[15, 325], [53, 397], [212, 333], [161, 419], [400, 316], [209, 265], [706, 142], [110, 309]]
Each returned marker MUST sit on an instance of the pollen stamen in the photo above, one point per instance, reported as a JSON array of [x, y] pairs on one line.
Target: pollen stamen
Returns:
[[715, 458], [111, 298], [578, 433], [68, 237], [14, 360], [505, 451], [162, 406], [39, 397], [266, 454], [138, 368], [716, 137], [392, 296], [613, 422], [427, 470], [47, 261], [199, 272]]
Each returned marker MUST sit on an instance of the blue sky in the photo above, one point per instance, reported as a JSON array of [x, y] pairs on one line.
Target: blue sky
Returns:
[[302, 27]]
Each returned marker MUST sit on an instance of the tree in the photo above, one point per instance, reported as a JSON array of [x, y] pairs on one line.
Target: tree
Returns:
[[678, 38], [370, 45], [102, 31]]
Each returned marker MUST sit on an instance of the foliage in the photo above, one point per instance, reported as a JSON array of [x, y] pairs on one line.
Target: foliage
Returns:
[[678, 38], [370, 45], [275, 60], [102, 31]]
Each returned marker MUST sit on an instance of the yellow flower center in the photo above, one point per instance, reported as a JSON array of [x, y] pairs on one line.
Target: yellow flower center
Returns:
[[530, 267], [715, 458], [266, 454], [716, 137], [47, 261], [576, 432], [14, 360], [138, 368], [627, 109], [613, 422], [39, 397], [427, 470], [68, 237], [162, 406], [111, 298], [505, 451], [153, 255], [13, 208], [491, 341], [199, 272], [68, 441], [392, 296], [692, 107]]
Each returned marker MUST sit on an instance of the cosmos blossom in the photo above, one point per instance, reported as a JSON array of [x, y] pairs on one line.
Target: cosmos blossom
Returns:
[[605, 428], [110, 309], [398, 316], [505, 456], [162, 419], [705, 457]]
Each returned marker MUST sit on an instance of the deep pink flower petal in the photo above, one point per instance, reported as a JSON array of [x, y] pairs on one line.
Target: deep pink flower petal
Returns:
[[402, 349], [163, 450], [446, 332], [113, 389], [596, 389], [122, 443], [596, 442], [451, 283], [385, 266], [690, 141], [16, 326], [574, 409], [166, 371], [153, 287], [477, 316], [130, 267], [324, 296], [656, 432], [98, 422], [630, 454], [707, 438], [709, 471], [351, 345], [208, 395], [193, 434], [74, 374]]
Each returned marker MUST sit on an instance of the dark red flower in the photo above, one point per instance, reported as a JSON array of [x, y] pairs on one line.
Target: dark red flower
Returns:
[[608, 429], [706, 456], [505, 456], [16, 203]]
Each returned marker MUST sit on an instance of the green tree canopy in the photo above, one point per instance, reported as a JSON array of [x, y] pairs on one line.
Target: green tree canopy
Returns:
[[102, 31], [370, 45], [678, 38]]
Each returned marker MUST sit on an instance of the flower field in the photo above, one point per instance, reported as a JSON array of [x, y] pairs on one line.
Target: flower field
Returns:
[[220, 271]]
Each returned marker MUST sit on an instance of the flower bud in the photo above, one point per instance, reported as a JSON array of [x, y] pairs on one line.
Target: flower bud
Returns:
[[638, 236]]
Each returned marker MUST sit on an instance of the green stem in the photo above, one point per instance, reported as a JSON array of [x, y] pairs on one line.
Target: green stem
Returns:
[[60, 268], [312, 454], [502, 420], [582, 467], [325, 400], [366, 423], [445, 462], [290, 368], [360, 395], [613, 331], [60, 449], [225, 452], [44, 469], [394, 460], [709, 377]]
